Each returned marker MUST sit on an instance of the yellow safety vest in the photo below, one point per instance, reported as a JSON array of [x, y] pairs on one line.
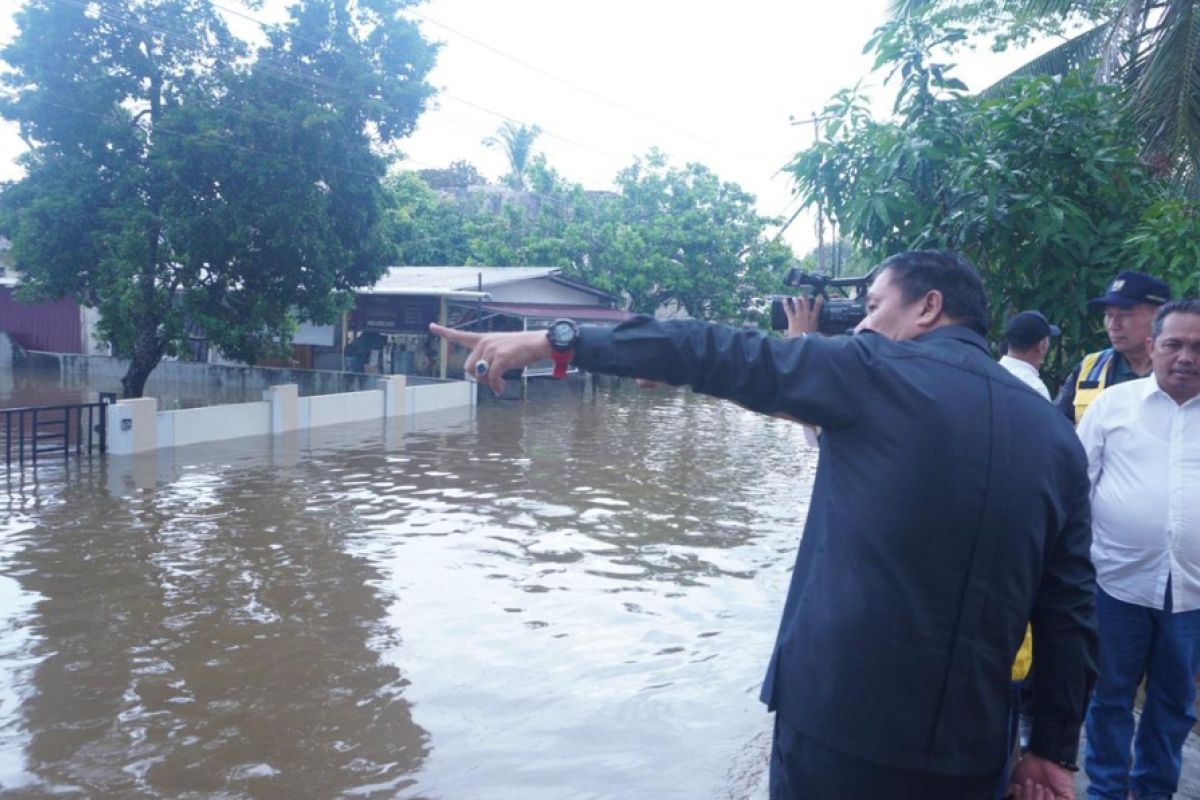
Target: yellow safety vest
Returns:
[[1095, 375], [1024, 660]]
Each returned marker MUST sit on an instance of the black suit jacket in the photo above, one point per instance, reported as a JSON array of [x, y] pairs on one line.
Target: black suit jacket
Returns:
[[950, 508]]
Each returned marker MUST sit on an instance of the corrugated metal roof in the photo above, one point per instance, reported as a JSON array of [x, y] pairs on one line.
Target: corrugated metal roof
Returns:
[[548, 311], [438, 280]]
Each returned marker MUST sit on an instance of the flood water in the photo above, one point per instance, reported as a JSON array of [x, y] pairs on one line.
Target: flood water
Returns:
[[558, 599]]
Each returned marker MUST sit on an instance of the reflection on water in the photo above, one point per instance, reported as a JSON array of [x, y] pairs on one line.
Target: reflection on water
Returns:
[[564, 600]]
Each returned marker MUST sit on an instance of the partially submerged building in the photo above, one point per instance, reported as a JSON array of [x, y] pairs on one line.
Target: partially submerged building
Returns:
[[386, 332], [393, 316]]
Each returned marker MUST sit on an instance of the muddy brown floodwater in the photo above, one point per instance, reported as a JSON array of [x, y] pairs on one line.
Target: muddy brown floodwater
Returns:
[[572, 598]]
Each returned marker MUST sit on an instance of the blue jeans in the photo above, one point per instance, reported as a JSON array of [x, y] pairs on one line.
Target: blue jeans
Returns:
[[1162, 647]]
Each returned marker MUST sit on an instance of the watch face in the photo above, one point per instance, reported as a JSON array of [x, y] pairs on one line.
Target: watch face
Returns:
[[562, 333]]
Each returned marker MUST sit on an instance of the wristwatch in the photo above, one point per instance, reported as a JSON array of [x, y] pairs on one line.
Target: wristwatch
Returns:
[[563, 335]]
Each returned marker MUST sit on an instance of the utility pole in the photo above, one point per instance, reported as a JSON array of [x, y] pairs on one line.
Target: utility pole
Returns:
[[820, 211], [816, 123]]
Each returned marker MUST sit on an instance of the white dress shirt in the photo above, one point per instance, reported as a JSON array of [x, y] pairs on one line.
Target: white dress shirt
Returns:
[[1143, 453], [1027, 373]]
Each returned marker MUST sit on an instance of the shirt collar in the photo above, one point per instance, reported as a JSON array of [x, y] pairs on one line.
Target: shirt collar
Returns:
[[1149, 387], [1020, 364]]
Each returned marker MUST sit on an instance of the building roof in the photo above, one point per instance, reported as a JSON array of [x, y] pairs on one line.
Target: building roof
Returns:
[[450, 280], [551, 311]]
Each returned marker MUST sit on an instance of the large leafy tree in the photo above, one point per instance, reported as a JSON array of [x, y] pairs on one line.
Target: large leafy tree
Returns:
[[1150, 49], [670, 236], [178, 181], [683, 236]]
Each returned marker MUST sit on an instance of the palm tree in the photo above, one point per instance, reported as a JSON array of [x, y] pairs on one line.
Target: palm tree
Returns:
[[1149, 48], [517, 143]]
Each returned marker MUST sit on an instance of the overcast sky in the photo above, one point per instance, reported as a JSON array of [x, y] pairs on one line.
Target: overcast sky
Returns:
[[713, 82]]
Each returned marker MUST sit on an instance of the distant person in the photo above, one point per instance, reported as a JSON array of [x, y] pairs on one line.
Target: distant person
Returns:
[[933, 535], [1027, 341], [1143, 444], [1129, 306]]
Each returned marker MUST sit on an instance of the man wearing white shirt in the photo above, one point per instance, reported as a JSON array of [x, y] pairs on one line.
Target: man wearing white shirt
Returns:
[[1142, 439], [1027, 339]]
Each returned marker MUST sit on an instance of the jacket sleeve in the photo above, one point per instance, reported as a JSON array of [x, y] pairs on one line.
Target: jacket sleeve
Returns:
[[1064, 627], [821, 380], [1065, 399]]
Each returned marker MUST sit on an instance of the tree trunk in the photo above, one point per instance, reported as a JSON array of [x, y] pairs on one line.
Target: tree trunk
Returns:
[[147, 352]]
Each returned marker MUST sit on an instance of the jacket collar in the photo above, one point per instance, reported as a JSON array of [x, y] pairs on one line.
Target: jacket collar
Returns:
[[957, 333]]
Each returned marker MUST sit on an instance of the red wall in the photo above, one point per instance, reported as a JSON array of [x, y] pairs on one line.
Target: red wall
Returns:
[[52, 326]]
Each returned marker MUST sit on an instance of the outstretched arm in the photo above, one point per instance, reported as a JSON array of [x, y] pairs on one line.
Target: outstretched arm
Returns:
[[826, 381]]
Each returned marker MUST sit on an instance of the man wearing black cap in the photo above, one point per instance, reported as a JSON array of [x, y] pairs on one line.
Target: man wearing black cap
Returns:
[[1026, 341], [1129, 307]]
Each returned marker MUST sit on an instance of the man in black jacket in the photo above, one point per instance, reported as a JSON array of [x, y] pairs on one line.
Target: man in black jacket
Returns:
[[950, 508]]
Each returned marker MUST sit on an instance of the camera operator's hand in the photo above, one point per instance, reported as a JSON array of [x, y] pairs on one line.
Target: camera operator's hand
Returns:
[[803, 315]]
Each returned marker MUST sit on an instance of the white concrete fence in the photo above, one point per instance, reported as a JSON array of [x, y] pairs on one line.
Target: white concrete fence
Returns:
[[137, 426]]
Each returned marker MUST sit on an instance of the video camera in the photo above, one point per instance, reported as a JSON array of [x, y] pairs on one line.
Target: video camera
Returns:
[[842, 310]]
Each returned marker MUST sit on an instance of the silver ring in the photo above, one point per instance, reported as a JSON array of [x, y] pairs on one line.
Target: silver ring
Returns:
[[481, 367]]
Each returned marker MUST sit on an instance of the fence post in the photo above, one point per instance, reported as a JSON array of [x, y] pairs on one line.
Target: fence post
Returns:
[[285, 407], [134, 425]]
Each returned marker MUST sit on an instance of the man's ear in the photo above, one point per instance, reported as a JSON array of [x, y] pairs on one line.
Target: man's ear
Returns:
[[1044, 347], [931, 308]]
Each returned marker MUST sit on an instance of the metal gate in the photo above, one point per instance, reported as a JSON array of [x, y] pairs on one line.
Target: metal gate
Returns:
[[39, 433]]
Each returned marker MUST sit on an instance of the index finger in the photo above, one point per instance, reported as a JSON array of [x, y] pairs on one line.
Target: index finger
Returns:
[[467, 339]]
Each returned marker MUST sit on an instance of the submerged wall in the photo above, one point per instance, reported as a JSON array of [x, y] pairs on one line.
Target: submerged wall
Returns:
[[95, 369], [137, 426]]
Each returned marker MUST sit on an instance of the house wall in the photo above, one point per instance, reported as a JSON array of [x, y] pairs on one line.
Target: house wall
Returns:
[[53, 326]]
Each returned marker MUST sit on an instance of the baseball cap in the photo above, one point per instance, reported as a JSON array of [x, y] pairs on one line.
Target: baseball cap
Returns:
[[1130, 288], [1028, 328]]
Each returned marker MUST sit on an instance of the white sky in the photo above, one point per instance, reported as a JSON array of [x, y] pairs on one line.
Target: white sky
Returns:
[[713, 82]]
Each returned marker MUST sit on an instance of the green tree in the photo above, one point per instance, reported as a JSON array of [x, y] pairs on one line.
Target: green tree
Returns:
[[459, 175], [684, 236], [177, 180], [428, 229], [1040, 188], [516, 142], [669, 235], [1150, 49]]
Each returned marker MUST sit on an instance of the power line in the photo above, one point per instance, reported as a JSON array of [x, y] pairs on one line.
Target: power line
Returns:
[[319, 84], [584, 90]]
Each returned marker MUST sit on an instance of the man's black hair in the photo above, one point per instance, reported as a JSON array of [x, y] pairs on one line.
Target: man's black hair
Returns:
[[920, 271], [1019, 343], [1183, 306]]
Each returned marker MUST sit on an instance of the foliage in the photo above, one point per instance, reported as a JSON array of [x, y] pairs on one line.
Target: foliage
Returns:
[[428, 229], [178, 181], [687, 237], [459, 175], [1040, 189], [1167, 241], [1150, 49], [674, 236], [516, 142]]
